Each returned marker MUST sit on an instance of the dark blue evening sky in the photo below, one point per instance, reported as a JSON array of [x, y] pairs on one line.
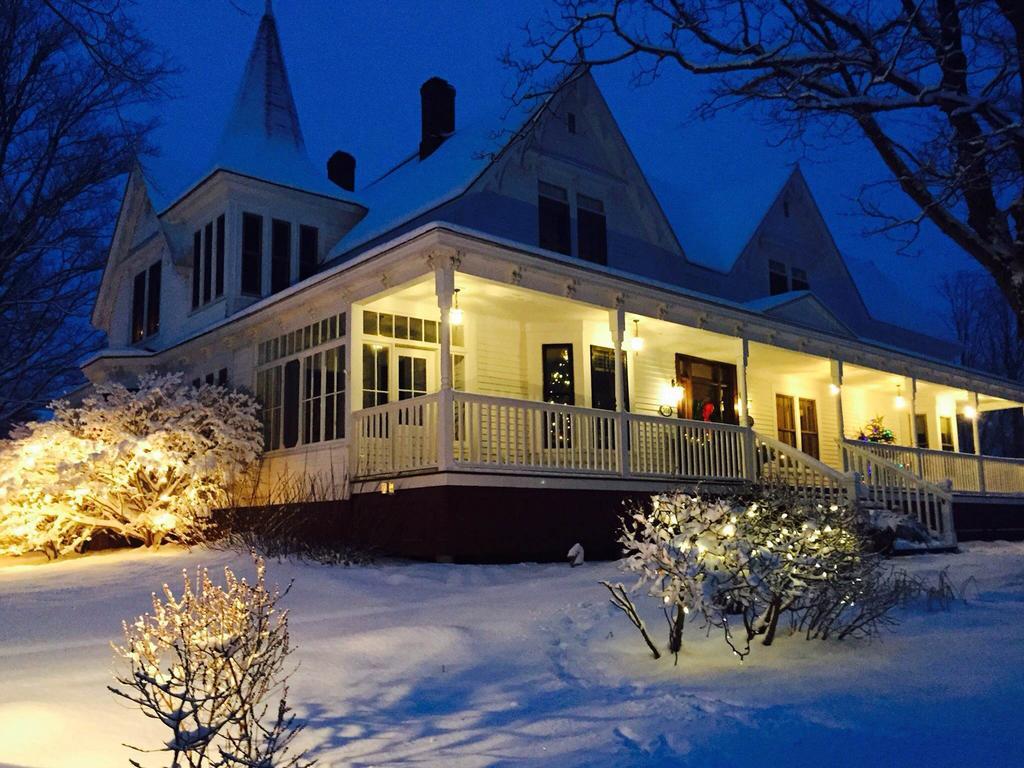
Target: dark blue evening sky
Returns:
[[356, 66]]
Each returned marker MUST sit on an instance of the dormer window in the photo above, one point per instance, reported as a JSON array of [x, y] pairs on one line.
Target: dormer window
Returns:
[[778, 278], [554, 222], [800, 280], [146, 303], [591, 230], [208, 263]]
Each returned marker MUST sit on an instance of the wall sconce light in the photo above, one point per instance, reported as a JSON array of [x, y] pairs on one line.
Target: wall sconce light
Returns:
[[672, 395], [900, 402], [970, 412], [386, 487], [636, 343], [834, 389], [455, 314]]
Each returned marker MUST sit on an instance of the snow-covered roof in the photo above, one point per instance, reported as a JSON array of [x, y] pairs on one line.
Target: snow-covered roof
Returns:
[[716, 202], [414, 186]]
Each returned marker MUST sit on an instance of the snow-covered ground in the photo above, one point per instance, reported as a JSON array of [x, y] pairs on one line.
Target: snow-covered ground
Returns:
[[454, 665]]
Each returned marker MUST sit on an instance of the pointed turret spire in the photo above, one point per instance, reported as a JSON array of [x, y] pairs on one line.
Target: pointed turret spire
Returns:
[[264, 107]]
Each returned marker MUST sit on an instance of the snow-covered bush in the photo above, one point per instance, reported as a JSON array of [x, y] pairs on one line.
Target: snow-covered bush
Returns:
[[143, 463], [740, 565], [209, 665]]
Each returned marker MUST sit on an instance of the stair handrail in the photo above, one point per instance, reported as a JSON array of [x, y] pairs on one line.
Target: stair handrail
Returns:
[[888, 483], [828, 483]]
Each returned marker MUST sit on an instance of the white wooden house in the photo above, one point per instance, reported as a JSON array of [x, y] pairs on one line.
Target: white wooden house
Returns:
[[513, 324]]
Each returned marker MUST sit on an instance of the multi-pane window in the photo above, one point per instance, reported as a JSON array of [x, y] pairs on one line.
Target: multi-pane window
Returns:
[[800, 280], [146, 303], [785, 420], [558, 374], [303, 395], [280, 255], [309, 243], [946, 433], [375, 374], [269, 393], [553, 218], [252, 254], [208, 263], [809, 441], [591, 230], [778, 278], [921, 430], [402, 327]]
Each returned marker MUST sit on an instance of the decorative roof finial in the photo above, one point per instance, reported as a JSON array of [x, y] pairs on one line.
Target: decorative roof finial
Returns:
[[269, 10]]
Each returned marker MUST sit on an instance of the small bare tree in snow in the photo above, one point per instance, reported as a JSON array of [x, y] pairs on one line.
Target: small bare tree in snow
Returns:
[[208, 665], [143, 463], [933, 86]]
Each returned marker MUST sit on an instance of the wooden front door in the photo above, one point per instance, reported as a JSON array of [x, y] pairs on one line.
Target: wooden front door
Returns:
[[809, 442], [709, 389], [785, 419]]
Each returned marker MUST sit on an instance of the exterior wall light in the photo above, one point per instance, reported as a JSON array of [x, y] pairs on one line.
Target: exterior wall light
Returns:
[[834, 389], [970, 412], [455, 314]]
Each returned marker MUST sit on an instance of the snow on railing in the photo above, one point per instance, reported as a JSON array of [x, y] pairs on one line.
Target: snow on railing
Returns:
[[885, 482]]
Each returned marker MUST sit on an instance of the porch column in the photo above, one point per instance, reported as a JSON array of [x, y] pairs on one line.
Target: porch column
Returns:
[[444, 284], [837, 391], [617, 325], [976, 434], [918, 456], [749, 448]]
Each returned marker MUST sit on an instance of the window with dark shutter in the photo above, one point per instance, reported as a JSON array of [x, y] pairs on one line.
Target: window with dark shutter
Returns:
[[197, 261], [139, 307], [553, 218], [280, 255], [153, 300], [800, 280], [252, 254], [591, 230], [219, 280], [778, 278], [309, 238]]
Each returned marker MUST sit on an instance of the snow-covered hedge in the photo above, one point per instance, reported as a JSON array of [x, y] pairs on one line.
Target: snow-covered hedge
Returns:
[[741, 565], [145, 463]]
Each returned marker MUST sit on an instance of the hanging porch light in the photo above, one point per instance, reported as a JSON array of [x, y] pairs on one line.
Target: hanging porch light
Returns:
[[900, 401], [636, 343], [970, 412], [455, 314]]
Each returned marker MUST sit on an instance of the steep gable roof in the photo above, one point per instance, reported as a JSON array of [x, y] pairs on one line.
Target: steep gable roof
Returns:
[[803, 308], [716, 203], [262, 137]]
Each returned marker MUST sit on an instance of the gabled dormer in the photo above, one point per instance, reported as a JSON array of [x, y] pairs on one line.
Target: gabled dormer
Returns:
[[259, 218]]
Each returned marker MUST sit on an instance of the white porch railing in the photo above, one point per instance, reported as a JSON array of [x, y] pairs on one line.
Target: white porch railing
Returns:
[[779, 463], [697, 450], [896, 487], [396, 437], [967, 472], [502, 433]]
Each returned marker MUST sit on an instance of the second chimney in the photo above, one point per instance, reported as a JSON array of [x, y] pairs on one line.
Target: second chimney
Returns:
[[437, 105], [341, 169]]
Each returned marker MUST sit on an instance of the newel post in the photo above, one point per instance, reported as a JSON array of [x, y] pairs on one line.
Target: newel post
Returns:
[[444, 285], [617, 325]]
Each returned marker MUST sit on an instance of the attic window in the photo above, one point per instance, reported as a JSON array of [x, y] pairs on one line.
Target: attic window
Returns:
[[785, 208], [553, 218], [570, 121], [778, 278], [800, 281]]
